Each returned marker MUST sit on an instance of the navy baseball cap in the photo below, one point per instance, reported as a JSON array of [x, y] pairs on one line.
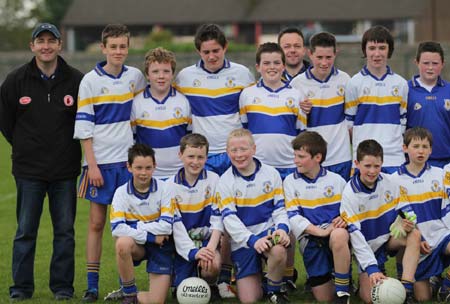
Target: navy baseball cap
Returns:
[[45, 27]]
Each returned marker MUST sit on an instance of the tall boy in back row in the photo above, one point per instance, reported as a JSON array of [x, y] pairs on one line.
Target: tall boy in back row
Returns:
[[103, 126], [375, 99]]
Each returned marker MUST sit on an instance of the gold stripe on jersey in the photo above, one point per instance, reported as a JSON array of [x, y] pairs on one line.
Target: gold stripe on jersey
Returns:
[[161, 124], [373, 213], [297, 202], [327, 102], [209, 92], [194, 207], [133, 217], [106, 99], [268, 110]]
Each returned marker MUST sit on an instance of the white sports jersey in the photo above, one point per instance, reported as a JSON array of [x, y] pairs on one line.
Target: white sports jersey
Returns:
[[447, 192], [315, 202], [327, 116], [104, 108], [251, 205], [369, 214], [425, 193], [142, 216], [275, 119], [161, 125], [377, 110], [214, 100], [196, 213]]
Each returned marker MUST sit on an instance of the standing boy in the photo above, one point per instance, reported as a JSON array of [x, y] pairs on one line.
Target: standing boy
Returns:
[[160, 115], [375, 99], [429, 100], [270, 110], [103, 126], [250, 198], [213, 86], [141, 222], [423, 187], [313, 199], [198, 224], [370, 204], [324, 86], [38, 104]]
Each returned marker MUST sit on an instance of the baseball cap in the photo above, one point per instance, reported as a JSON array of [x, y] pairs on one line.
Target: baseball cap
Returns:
[[45, 27]]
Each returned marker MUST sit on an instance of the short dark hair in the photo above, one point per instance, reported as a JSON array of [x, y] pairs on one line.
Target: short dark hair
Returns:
[[417, 133], [194, 140], [429, 46], [140, 150], [209, 32], [369, 147], [290, 30], [115, 30], [311, 142], [322, 39], [270, 47], [378, 33]]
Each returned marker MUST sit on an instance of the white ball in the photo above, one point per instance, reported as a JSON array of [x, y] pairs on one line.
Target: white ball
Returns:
[[193, 291], [389, 291]]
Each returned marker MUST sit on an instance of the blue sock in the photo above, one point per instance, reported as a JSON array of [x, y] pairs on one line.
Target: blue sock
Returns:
[[408, 285], [446, 281], [342, 282], [273, 286], [399, 267], [129, 287], [225, 274], [93, 269]]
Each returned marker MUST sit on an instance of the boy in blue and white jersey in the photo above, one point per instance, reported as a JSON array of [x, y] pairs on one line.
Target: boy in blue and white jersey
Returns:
[[370, 204], [103, 126], [324, 86], [270, 110], [313, 199], [375, 99], [213, 86], [429, 101], [160, 115], [141, 222], [250, 198], [198, 224], [424, 190]]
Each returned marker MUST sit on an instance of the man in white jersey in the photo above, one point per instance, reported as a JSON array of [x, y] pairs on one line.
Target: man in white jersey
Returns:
[[324, 86], [375, 99], [103, 126]]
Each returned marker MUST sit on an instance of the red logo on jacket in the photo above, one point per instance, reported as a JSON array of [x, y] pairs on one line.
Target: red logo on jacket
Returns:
[[68, 100], [24, 100]]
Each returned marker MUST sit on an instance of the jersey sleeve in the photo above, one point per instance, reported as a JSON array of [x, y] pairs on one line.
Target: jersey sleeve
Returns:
[[242, 108], [85, 118], [361, 248], [301, 116], [446, 201], [404, 106], [294, 210], [351, 102], [183, 243], [279, 214], [120, 227]]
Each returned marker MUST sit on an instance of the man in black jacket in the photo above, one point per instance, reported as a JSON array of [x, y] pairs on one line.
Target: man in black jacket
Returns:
[[38, 103]]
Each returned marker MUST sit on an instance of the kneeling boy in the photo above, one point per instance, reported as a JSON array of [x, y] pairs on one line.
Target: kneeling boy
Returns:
[[313, 199], [250, 198], [141, 222]]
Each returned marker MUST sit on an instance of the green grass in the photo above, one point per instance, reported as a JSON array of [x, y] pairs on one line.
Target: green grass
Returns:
[[108, 273]]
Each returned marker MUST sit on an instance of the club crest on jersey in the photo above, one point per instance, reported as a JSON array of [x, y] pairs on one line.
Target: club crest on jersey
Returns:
[[68, 100], [366, 91], [435, 185], [238, 193], [340, 90], [417, 106], [177, 112], [256, 100], [178, 199], [267, 187], [196, 83], [290, 102], [388, 197], [104, 90], [208, 192], [93, 192], [447, 178], [230, 82], [132, 86], [329, 191], [297, 193], [24, 100], [447, 104], [145, 114], [361, 208], [395, 91], [403, 191], [310, 94]]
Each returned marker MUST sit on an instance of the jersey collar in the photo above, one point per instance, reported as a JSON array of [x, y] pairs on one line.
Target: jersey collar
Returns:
[[261, 84], [250, 177], [310, 75], [131, 190], [148, 94], [358, 186], [365, 72], [403, 170], [298, 175], [226, 65], [440, 82], [180, 178], [101, 72]]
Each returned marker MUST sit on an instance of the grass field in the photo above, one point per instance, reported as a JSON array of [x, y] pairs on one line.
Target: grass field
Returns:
[[108, 274]]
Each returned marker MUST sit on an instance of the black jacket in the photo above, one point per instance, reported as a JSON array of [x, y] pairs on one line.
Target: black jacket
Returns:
[[37, 118]]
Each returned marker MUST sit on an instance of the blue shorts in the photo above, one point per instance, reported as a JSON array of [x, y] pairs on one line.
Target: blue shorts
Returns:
[[343, 169], [247, 262], [159, 258], [183, 269], [317, 257], [381, 255], [114, 175], [439, 162], [285, 172], [218, 163], [435, 263]]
